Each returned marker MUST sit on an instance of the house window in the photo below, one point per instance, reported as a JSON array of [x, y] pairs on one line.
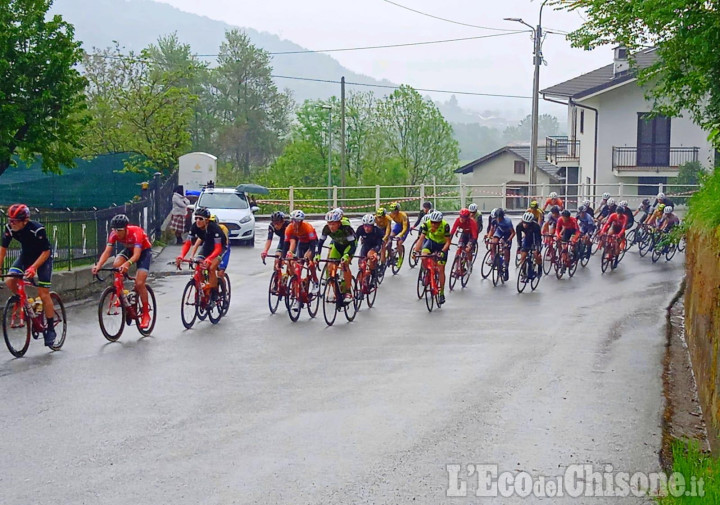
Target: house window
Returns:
[[519, 167], [582, 121]]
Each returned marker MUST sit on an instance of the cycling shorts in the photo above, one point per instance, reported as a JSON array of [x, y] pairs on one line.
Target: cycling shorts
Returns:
[[465, 239], [500, 234], [225, 259], [567, 234], [366, 248], [397, 228], [529, 244], [143, 262], [430, 247], [44, 271], [302, 248]]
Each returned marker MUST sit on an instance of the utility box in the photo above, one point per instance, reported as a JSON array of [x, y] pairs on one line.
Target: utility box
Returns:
[[197, 170]]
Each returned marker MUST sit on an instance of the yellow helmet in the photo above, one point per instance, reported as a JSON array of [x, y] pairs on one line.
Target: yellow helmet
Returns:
[[213, 217]]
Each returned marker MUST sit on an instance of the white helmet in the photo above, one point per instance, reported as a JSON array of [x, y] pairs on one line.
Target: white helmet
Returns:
[[606, 196], [436, 216], [586, 202], [368, 219], [623, 203], [342, 213], [528, 217], [667, 210], [611, 201], [333, 216], [473, 207], [297, 215], [493, 213], [553, 195], [661, 195]]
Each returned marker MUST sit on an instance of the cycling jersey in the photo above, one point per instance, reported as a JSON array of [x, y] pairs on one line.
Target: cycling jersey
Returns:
[[586, 223], [630, 218], [33, 239], [469, 227], [503, 228], [566, 228], [283, 242], [607, 210], [668, 222], [403, 221], [211, 236], [343, 238], [384, 223], [440, 235], [618, 222], [477, 216], [554, 201], [302, 232], [590, 210], [528, 235], [134, 237], [539, 215], [370, 241]]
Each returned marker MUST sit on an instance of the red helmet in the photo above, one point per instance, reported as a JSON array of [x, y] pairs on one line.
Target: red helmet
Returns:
[[19, 211], [464, 213]]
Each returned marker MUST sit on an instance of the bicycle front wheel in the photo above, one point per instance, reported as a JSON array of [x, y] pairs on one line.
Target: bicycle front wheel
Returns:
[[548, 260], [189, 305], [351, 307], [59, 321], [313, 304], [670, 252], [292, 300], [226, 298], [522, 279], [421, 284], [16, 327], [330, 301], [412, 260], [397, 264], [496, 269], [371, 288], [274, 292], [454, 272], [429, 297], [111, 314], [467, 267], [215, 307], [486, 267], [152, 310]]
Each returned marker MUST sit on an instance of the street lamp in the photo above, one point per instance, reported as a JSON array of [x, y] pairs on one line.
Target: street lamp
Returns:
[[329, 178], [537, 60]]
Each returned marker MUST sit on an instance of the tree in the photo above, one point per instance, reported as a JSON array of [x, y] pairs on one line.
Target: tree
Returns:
[[138, 108], [254, 116], [416, 133], [686, 34], [41, 92], [547, 126]]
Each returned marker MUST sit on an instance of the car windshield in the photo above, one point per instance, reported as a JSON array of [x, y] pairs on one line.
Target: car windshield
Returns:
[[223, 201]]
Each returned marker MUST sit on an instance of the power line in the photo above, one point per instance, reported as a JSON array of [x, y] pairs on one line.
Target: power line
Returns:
[[446, 19], [386, 86]]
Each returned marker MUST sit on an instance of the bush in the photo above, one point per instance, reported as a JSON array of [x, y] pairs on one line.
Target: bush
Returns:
[[704, 212]]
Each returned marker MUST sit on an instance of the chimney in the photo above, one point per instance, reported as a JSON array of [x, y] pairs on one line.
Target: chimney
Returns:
[[620, 61]]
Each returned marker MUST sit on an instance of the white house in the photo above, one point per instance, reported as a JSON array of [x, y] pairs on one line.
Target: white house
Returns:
[[613, 140]]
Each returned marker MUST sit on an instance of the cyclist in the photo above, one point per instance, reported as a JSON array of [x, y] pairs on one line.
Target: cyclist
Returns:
[[616, 226], [214, 243], [656, 216], [669, 220], [300, 236], [372, 240], [662, 199], [35, 258], [603, 202], [587, 226], [492, 223], [476, 215], [343, 246], [529, 239], [553, 201], [426, 209], [551, 222], [628, 213], [435, 238], [383, 222], [588, 207], [400, 229], [504, 230], [536, 212], [469, 228], [277, 227], [644, 210], [567, 229], [138, 250], [607, 210]]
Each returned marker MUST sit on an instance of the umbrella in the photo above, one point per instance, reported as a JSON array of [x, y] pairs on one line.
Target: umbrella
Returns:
[[255, 189]]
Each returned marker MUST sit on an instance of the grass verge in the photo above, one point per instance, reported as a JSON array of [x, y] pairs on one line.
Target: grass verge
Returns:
[[700, 476]]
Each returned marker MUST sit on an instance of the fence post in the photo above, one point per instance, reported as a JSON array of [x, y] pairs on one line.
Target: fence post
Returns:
[[334, 197], [620, 190], [422, 192], [69, 244], [462, 195], [503, 199], [377, 196], [661, 187], [291, 198], [157, 223]]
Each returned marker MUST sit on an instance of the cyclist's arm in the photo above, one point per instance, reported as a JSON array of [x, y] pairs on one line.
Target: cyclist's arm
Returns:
[[103, 257], [420, 241], [419, 218], [405, 225], [519, 233], [195, 247], [388, 230]]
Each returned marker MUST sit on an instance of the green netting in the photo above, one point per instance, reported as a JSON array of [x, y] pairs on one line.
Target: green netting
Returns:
[[94, 183]]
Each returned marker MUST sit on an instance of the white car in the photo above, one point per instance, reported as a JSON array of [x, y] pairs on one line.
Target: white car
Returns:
[[233, 210]]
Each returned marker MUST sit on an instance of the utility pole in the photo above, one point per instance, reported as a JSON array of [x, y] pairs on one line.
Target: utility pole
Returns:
[[329, 154], [342, 137]]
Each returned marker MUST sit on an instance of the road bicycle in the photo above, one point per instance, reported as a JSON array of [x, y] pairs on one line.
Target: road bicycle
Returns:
[[664, 246], [583, 250], [499, 265], [462, 267], [487, 261], [197, 302], [550, 255], [567, 261], [428, 283], [650, 237], [303, 289], [412, 260], [609, 258], [119, 306], [529, 272], [278, 288], [393, 259], [24, 317], [334, 293], [366, 283]]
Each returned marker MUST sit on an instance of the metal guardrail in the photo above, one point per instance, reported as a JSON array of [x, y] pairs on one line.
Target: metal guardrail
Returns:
[[658, 159], [561, 149]]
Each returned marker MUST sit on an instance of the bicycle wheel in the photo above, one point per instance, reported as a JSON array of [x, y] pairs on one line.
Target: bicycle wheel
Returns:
[[538, 273], [475, 250], [189, 305], [59, 321], [486, 267], [644, 246], [227, 294], [371, 290], [560, 266], [111, 314], [670, 252], [657, 252], [397, 264], [313, 303], [454, 272], [606, 260], [584, 254], [573, 264], [595, 245], [429, 298], [274, 292], [522, 280], [681, 244], [330, 301], [16, 328], [548, 260], [152, 308], [215, 307], [359, 292], [466, 270], [421, 282], [630, 239], [517, 259], [413, 261], [351, 308], [293, 302], [496, 269], [622, 252]]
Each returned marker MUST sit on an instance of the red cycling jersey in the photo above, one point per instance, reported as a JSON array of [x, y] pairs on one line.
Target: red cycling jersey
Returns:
[[134, 237], [567, 223], [554, 201], [470, 225], [302, 232], [617, 221]]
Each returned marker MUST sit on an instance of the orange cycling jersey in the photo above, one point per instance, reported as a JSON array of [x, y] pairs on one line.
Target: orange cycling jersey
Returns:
[[554, 201], [383, 222], [302, 232]]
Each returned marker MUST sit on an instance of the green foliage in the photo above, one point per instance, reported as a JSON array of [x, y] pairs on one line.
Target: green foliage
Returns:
[[686, 33], [704, 206], [694, 464], [41, 92]]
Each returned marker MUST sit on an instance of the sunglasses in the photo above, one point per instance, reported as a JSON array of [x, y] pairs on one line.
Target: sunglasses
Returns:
[[11, 220], [197, 218]]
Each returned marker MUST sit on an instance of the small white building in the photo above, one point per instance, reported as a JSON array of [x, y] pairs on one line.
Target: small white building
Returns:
[[612, 138]]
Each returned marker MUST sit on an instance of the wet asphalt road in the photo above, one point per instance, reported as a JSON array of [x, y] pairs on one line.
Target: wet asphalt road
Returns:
[[260, 410]]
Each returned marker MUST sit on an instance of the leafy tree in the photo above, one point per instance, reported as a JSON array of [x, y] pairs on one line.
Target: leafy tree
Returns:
[[547, 126], [137, 107], [686, 33], [41, 91], [254, 116]]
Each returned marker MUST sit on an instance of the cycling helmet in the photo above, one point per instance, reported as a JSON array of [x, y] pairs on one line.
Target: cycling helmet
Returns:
[[368, 219], [565, 213], [394, 206], [555, 209], [342, 212], [493, 213], [213, 217], [464, 213], [427, 205], [528, 217], [668, 210], [436, 216], [582, 208], [534, 204], [277, 216], [500, 214], [121, 221], [611, 202], [646, 202], [334, 216], [380, 212], [661, 206], [553, 195], [661, 195], [19, 211], [606, 196], [473, 207], [624, 203], [619, 210], [298, 216], [586, 202], [200, 211]]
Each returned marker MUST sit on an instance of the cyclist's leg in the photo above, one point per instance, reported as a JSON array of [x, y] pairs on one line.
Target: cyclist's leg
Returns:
[[143, 267], [44, 273], [442, 261], [346, 266], [332, 267], [18, 268]]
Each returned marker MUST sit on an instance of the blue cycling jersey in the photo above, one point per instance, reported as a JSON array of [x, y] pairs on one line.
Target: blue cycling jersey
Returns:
[[505, 225], [587, 223]]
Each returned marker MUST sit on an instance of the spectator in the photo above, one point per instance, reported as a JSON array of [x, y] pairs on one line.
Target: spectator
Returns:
[[253, 202], [177, 215]]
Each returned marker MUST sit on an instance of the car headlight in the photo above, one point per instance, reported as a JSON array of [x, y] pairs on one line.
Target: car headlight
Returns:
[[246, 219]]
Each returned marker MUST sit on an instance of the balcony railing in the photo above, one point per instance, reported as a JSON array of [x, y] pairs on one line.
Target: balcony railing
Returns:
[[652, 159], [562, 150]]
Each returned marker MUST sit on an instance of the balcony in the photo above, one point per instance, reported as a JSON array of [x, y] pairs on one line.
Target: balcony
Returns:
[[651, 161], [562, 151]]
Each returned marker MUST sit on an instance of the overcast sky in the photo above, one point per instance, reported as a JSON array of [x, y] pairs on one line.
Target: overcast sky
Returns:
[[492, 65]]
